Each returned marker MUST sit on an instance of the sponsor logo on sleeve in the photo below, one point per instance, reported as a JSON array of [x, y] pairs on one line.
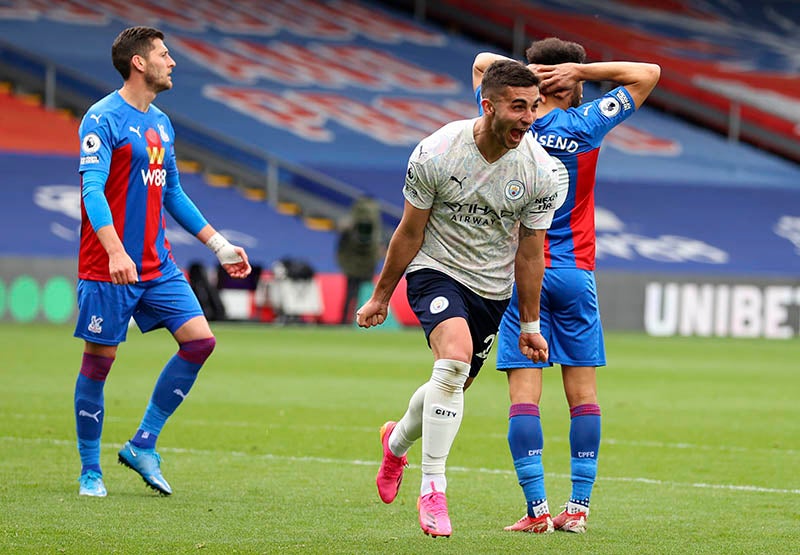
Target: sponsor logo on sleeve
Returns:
[[543, 204], [623, 99]]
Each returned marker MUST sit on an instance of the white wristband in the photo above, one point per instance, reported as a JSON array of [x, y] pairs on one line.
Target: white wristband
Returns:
[[223, 249], [530, 327]]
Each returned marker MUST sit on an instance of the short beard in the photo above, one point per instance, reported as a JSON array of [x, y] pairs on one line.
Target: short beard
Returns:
[[154, 85], [499, 135]]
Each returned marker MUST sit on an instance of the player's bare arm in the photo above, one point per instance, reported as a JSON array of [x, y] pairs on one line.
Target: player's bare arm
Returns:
[[528, 272], [638, 78], [403, 246]]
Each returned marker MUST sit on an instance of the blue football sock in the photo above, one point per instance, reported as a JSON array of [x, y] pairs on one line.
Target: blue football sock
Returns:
[[525, 440], [171, 389], [584, 440], [90, 409]]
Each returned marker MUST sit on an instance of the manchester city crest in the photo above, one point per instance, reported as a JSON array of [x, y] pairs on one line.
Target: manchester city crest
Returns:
[[514, 189]]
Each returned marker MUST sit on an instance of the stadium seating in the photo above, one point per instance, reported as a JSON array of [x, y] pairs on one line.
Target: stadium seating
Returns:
[[28, 127], [343, 91], [729, 65]]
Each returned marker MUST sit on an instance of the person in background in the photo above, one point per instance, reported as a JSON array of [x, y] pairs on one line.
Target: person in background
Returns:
[[358, 250], [129, 176], [572, 132]]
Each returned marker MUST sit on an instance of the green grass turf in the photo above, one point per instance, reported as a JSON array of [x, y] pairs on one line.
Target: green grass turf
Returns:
[[276, 449]]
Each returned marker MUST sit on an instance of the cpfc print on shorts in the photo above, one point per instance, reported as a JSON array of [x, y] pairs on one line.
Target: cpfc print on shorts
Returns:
[[439, 304]]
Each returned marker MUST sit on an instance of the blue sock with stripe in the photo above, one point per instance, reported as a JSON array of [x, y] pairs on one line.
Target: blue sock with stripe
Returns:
[[584, 441], [525, 439], [90, 409], [171, 389]]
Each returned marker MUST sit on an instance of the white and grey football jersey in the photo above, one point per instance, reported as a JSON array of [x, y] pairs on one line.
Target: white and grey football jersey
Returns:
[[476, 207]]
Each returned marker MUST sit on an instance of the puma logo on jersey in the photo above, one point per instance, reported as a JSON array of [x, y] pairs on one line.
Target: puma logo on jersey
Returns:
[[135, 130], [459, 181], [96, 117]]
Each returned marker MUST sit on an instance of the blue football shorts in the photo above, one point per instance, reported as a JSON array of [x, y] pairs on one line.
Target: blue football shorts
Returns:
[[570, 322], [105, 309], [435, 297]]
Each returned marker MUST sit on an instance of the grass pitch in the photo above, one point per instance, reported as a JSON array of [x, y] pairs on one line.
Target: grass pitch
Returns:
[[276, 449]]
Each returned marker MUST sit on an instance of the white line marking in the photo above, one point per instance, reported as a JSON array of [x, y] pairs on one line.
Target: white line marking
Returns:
[[356, 462], [772, 451]]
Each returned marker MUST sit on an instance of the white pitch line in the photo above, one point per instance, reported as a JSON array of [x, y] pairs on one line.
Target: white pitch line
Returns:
[[363, 429], [357, 462]]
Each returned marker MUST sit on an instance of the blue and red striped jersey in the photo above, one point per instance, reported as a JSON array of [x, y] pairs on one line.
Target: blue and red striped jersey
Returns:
[[573, 137], [136, 151]]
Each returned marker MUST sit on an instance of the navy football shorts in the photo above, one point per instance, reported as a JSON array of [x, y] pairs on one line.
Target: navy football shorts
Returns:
[[435, 297]]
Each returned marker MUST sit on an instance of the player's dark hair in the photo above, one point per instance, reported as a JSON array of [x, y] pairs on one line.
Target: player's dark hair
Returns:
[[552, 51], [506, 73], [130, 42]]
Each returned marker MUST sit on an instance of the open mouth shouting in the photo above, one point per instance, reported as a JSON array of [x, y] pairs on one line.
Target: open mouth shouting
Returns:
[[517, 134]]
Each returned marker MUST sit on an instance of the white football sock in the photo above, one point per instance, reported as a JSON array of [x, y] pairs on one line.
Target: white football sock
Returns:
[[573, 508], [541, 509], [442, 414], [409, 428]]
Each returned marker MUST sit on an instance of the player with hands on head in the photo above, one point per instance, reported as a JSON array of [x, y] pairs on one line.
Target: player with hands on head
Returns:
[[572, 132], [479, 195]]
